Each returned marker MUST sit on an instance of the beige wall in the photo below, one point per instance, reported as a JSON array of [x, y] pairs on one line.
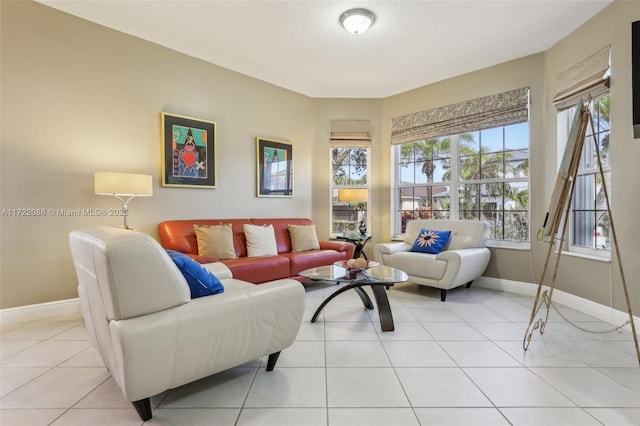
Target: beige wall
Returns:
[[525, 72], [79, 98], [356, 109], [590, 279]]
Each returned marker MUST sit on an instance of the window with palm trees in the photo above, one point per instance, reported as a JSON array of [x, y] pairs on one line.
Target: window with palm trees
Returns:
[[590, 226], [349, 170], [480, 175]]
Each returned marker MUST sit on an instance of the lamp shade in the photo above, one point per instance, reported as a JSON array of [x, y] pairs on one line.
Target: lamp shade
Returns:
[[127, 184], [353, 195], [357, 21]]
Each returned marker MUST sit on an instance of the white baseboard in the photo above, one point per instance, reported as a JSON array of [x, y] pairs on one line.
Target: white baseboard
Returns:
[[596, 310], [27, 313], [39, 311]]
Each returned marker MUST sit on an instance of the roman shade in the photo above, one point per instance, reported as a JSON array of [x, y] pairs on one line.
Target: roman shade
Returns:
[[587, 79], [501, 109], [350, 133]]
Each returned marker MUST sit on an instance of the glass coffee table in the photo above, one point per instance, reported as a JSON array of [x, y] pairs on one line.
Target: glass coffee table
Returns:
[[379, 278]]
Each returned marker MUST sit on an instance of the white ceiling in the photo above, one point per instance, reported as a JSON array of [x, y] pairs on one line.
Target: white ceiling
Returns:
[[300, 45]]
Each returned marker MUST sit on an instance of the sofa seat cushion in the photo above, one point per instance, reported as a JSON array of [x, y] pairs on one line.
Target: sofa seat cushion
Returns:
[[417, 264], [299, 261], [258, 269], [233, 285]]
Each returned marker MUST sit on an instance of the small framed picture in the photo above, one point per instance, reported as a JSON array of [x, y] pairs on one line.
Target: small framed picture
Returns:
[[188, 152], [351, 228], [274, 168]]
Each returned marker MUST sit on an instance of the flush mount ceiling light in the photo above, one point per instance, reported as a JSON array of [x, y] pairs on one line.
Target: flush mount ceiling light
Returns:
[[357, 21]]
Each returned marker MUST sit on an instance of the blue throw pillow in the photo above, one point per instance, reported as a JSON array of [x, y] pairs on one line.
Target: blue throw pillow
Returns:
[[430, 241], [201, 281]]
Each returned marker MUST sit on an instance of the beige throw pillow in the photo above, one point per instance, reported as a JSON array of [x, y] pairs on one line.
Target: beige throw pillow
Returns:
[[261, 240], [303, 237], [215, 241]]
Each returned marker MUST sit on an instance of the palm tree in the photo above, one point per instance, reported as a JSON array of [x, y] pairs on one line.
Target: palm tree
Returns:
[[476, 165], [426, 151], [516, 224], [480, 165], [522, 169], [601, 114], [589, 192]]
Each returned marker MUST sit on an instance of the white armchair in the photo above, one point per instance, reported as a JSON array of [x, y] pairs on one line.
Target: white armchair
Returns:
[[463, 259], [152, 336]]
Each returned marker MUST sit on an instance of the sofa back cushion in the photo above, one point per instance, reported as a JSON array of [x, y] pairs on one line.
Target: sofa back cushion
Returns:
[[179, 235], [281, 230], [464, 233], [303, 238], [261, 240], [215, 241]]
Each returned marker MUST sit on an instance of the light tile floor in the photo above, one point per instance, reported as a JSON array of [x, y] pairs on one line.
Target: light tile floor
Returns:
[[459, 362]]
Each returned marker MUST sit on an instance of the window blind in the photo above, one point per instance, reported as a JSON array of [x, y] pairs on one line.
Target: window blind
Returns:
[[501, 109], [587, 79], [350, 133]]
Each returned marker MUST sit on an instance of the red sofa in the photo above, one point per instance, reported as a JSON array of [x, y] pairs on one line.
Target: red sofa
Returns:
[[179, 235]]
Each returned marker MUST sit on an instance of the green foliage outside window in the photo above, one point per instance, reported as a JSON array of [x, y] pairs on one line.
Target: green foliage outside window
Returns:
[[491, 181]]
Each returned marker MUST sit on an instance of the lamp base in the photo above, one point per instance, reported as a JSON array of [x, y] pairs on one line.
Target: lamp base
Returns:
[[363, 228]]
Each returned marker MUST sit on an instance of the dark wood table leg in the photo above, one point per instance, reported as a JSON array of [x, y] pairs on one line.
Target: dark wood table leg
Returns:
[[382, 301], [363, 296], [366, 301], [384, 309], [359, 250]]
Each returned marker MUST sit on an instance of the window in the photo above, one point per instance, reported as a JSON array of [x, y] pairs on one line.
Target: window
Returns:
[[589, 227], [349, 170], [423, 176], [480, 175], [466, 161], [350, 145]]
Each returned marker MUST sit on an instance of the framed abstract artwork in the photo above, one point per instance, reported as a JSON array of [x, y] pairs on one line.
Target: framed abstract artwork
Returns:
[[188, 152], [274, 168]]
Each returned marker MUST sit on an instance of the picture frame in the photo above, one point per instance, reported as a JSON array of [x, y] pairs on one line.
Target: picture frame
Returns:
[[351, 228], [188, 152], [274, 168]]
